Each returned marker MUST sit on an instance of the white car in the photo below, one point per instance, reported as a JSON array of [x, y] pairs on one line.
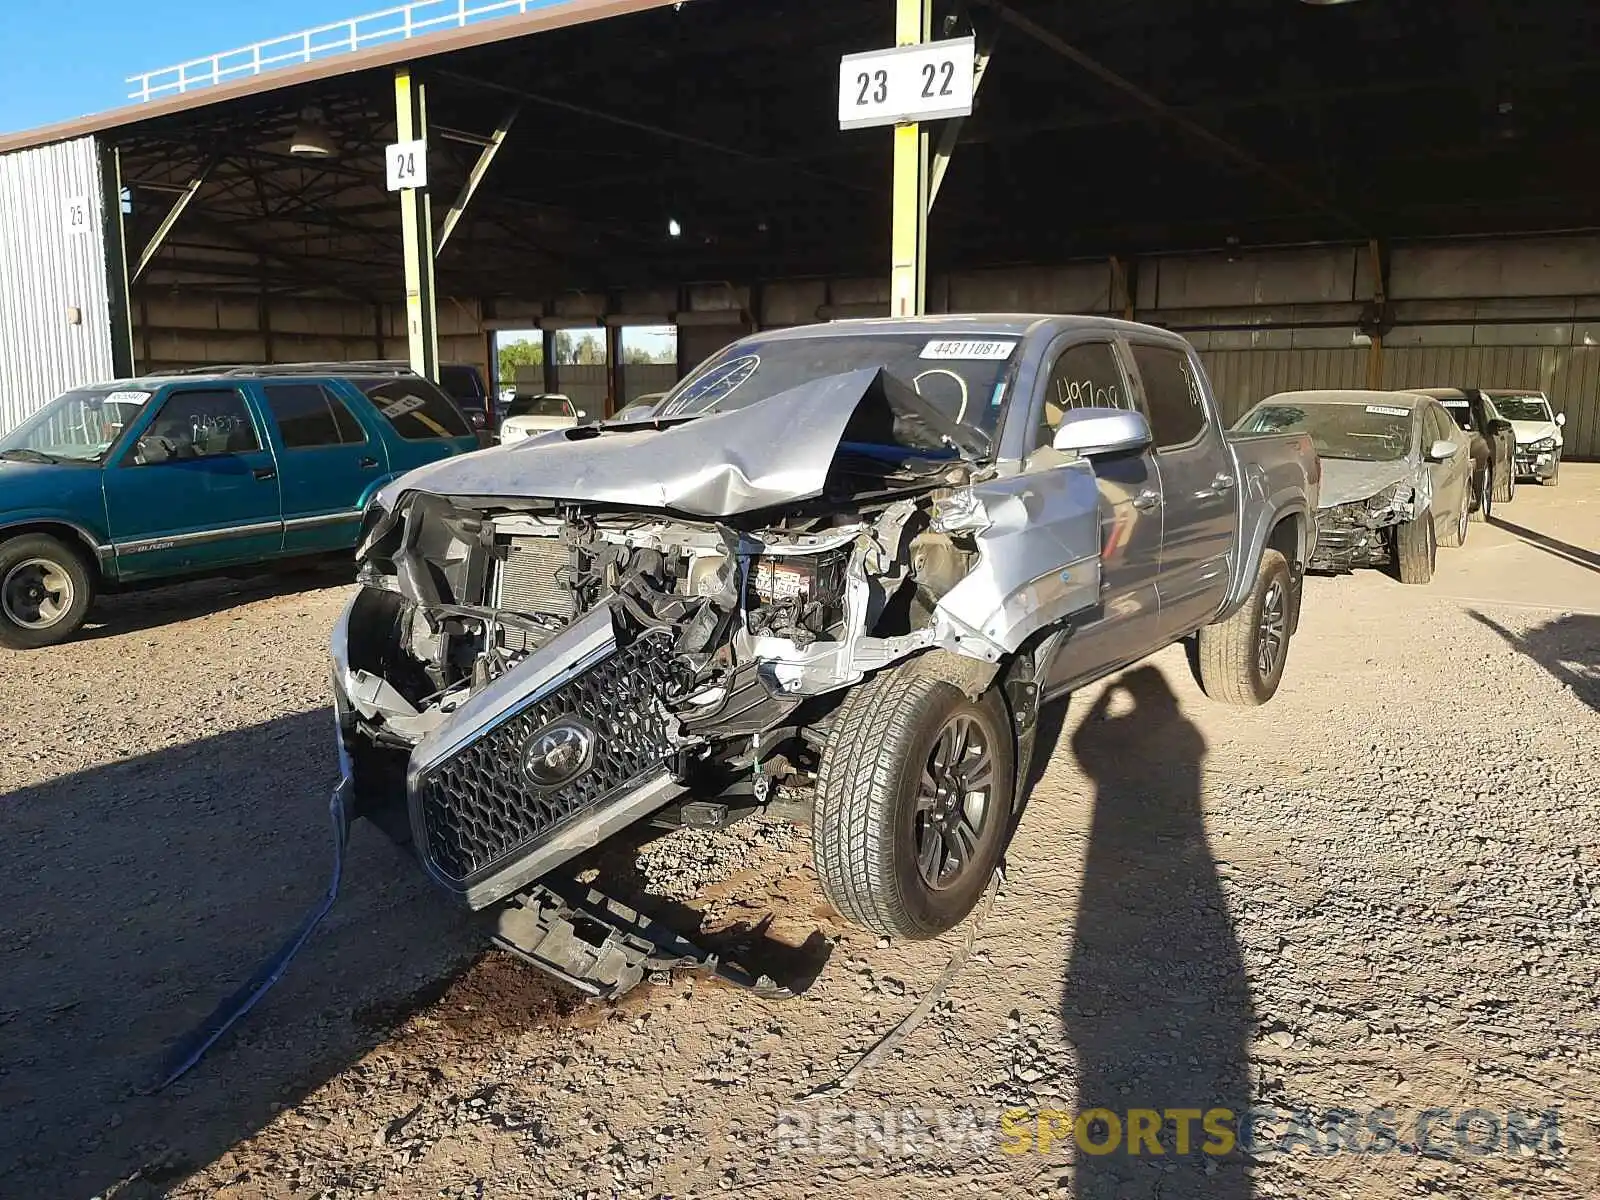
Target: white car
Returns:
[[1538, 430], [528, 415]]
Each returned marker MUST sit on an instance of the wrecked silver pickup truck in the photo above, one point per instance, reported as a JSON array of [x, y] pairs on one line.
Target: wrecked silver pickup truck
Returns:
[[845, 562]]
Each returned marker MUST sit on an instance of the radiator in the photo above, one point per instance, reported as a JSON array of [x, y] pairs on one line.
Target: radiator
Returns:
[[534, 577]]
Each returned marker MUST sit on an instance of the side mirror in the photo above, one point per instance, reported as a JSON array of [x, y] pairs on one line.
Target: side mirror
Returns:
[[1561, 418], [1090, 431], [1441, 450]]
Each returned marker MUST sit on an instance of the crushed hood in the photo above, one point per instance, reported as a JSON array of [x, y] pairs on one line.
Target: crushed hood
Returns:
[[775, 451], [1536, 431], [1345, 481]]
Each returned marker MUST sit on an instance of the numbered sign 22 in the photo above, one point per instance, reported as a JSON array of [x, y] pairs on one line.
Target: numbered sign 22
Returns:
[[76, 215], [931, 82], [407, 164]]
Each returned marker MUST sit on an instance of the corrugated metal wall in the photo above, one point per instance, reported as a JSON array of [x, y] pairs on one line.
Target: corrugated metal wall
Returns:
[[1241, 377], [52, 265]]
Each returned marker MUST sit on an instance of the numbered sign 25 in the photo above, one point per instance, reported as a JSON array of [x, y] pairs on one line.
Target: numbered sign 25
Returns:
[[407, 164], [931, 82], [76, 215]]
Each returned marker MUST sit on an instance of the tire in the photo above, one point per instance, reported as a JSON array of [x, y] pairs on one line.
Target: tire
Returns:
[[1240, 661], [1484, 488], [1416, 549], [46, 589], [1505, 484], [868, 827], [1456, 533]]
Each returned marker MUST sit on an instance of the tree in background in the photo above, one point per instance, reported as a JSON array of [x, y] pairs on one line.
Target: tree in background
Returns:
[[519, 354]]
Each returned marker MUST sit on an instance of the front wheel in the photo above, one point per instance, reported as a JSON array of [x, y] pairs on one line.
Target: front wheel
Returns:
[[45, 592], [913, 801], [1416, 550], [1240, 661]]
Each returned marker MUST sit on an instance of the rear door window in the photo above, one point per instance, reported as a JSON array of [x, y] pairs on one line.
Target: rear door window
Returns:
[[416, 409], [1172, 394], [309, 415]]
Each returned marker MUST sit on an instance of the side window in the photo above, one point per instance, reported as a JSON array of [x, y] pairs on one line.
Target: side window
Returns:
[[1436, 427], [1083, 376], [417, 410], [309, 415], [202, 423], [1172, 394]]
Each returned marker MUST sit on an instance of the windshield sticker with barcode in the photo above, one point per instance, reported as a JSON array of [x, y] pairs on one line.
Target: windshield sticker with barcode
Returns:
[[126, 397], [1384, 410], [402, 406], [968, 351], [1454, 403]]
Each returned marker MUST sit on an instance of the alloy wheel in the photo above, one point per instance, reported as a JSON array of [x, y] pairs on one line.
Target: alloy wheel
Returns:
[[954, 800], [36, 593], [1272, 631]]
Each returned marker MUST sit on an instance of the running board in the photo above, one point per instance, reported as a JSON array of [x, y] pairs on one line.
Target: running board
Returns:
[[603, 948]]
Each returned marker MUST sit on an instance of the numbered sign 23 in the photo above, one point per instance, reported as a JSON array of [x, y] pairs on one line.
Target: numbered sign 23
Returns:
[[931, 82], [408, 165]]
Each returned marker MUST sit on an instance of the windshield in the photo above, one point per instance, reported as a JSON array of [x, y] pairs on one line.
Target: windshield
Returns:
[[1523, 408], [540, 406], [80, 426], [961, 377], [1362, 432]]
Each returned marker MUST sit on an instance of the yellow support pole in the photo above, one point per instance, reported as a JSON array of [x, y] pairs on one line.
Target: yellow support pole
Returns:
[[416, 232], [908, 280]]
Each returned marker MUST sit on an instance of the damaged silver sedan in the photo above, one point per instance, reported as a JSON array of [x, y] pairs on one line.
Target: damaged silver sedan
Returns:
[[844, 563]]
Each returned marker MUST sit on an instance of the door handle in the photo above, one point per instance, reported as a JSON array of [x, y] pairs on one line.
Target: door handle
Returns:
[[367, 463], [265, 473], [1147, 499], [1220, 486]]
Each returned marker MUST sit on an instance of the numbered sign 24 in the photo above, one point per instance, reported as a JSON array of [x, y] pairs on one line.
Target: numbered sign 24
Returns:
[[407, 165], [931, 82]]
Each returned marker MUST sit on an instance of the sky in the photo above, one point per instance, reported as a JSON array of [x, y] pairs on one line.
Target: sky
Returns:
[[64, 65]]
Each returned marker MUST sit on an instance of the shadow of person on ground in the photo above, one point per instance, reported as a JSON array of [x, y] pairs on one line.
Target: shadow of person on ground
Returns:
[[1155, 998], [1568, 647]]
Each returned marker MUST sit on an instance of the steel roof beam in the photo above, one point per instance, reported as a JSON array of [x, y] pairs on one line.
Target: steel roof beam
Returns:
[[1172, 116]]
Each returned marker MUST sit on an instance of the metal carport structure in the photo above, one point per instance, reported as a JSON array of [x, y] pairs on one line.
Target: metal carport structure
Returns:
[[1316, 194]]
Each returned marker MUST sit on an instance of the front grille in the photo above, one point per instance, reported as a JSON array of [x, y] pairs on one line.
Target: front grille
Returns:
[[479, 810]]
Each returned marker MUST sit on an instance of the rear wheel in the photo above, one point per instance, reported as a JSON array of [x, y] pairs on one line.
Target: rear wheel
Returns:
[[45, 591], [1240, 661], [1483, 490], [913, 802], [1505, 483], [1416, 549]]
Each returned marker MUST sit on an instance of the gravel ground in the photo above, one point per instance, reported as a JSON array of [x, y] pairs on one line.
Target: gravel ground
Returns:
[[1380, 892]]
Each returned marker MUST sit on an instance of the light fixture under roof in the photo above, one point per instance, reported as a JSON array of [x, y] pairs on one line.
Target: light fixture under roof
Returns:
[[311, 138]]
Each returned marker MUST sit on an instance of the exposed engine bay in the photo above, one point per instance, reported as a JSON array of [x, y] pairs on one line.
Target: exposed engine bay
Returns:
[[1360, 534]]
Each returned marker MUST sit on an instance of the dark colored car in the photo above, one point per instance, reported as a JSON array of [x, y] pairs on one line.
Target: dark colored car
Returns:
[[1494, 445], [142, 481]]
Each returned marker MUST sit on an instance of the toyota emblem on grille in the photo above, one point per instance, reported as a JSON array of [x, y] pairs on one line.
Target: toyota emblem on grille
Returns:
[[558, 753]]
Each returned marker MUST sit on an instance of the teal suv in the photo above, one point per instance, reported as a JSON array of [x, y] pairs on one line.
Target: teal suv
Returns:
[[123, 484]]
